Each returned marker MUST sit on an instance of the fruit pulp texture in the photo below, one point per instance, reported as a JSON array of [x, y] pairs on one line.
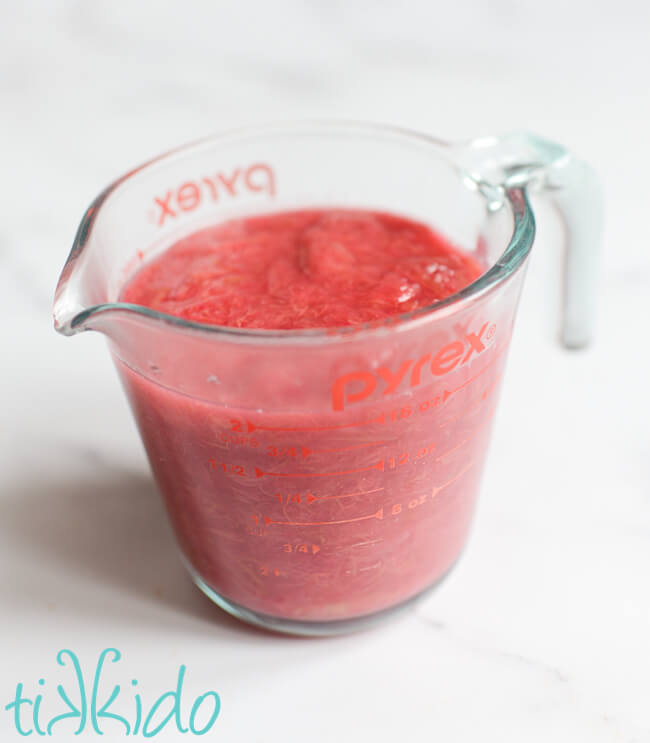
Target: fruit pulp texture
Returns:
[[320, 515], [304, 269]]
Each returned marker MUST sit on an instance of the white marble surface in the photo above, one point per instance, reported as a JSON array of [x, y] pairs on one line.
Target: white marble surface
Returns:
[[543, 632]]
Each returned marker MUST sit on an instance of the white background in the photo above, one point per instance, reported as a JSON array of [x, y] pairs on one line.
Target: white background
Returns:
[[543, 632]]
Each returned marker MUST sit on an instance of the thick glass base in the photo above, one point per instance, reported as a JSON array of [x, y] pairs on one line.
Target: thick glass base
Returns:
[[311, 628]]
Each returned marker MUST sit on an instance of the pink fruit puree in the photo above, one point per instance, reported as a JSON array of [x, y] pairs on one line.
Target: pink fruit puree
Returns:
[[305, 269], [345, 508]]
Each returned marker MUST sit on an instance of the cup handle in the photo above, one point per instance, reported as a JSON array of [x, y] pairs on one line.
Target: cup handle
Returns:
[[578, 199], [571, 185]]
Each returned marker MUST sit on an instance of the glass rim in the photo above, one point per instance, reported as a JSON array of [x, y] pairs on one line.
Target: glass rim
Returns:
[[510, 260]]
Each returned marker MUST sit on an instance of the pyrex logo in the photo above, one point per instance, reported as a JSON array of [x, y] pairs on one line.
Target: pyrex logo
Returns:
[[357, 386], [258, 177]]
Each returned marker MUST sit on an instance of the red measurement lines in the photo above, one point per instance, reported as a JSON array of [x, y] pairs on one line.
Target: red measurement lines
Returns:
[[344, 495], [300, 429], [377, 515], [378, 466], [476, 405], [348, 448], [298, 498], [305, 451], [382, 418]]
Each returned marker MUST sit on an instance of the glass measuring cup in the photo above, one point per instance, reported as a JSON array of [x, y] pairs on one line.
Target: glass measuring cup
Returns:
[[318, 480]]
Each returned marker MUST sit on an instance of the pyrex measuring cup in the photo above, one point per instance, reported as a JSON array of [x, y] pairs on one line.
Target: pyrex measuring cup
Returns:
[[319, 479]]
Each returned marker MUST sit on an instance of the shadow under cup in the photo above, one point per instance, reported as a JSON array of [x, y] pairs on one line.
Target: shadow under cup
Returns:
[[316, 480]]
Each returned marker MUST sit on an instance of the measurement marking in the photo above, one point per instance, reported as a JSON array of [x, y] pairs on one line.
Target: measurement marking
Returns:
[[305, 451], [261, 473], [348, 448], [476, 405], [436, 490], [448, 393], [378, 515], [345, 495], [255, 427]]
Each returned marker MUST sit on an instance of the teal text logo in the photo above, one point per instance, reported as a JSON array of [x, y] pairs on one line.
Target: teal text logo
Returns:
[[106, 707]]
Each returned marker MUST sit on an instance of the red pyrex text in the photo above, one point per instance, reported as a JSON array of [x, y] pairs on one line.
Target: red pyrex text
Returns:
[[189, 195], [357, 386]]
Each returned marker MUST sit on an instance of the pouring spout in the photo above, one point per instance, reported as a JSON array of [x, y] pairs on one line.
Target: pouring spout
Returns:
[[87, 278], [64, 317], [70, 293], [70, 319]]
